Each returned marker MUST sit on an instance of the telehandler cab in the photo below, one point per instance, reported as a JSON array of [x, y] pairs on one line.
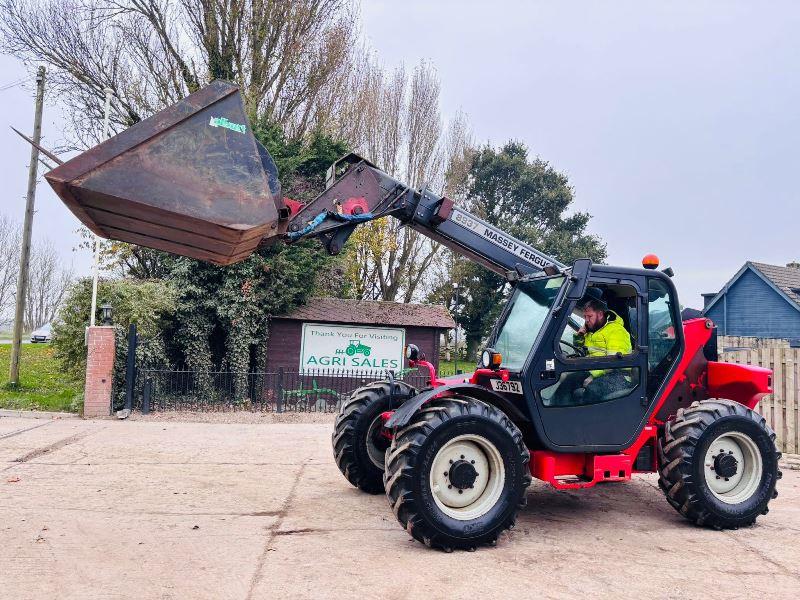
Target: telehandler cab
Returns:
[[455, 458]]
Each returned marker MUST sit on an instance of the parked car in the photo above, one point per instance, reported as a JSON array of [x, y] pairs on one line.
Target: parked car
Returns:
[[42, 334]]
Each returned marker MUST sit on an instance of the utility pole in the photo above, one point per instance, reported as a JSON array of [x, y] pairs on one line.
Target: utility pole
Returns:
[[22, 279], [96, 270]]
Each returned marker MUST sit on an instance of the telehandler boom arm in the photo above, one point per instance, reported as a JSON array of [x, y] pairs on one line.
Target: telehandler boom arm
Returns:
[[193, 180], [357, 191]]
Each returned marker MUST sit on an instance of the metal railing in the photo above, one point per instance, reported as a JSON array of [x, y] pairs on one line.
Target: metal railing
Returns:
[[321, 390]]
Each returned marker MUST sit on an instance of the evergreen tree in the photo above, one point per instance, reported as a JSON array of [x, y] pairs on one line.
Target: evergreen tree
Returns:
[[223, 313], [528, 199]]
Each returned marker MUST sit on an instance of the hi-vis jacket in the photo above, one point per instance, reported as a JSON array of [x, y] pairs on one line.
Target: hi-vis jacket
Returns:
[[608, 340]]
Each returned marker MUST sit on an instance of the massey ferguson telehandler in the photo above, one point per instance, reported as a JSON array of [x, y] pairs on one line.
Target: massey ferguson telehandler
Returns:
[[456, 457]]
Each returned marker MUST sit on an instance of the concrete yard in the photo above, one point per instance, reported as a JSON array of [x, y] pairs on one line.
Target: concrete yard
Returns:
[[167, 509]]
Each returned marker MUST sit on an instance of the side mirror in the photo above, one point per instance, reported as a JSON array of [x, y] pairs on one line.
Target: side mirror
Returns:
[[579, 278], [330, 176], [412, 352]]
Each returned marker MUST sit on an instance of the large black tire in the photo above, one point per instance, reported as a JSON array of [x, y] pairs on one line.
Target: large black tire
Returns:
[[416, 448], [687, 474], [351, 433]]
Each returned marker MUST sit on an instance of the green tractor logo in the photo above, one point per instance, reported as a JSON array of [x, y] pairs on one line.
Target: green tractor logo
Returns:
[[356, 347]]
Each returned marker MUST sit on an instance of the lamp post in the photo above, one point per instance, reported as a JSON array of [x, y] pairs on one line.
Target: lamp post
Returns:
[[455, 310], [107, 311], [96, 252]]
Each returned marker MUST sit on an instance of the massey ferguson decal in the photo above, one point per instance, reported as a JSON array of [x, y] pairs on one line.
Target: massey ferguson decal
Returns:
[[488, 232]]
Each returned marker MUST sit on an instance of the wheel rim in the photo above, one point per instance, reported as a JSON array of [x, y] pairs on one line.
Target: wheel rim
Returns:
[[733, 467], [467, 477], [375, 451]]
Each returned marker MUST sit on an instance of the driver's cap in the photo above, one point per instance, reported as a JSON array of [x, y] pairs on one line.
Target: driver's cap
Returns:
[[592, 293]]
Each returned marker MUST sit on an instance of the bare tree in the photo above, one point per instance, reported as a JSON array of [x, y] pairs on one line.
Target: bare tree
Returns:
[[10, 243], [399, 126], [300, 65], [288, 57], [459, 148], [120, 259], [48, 277], [47, 284]]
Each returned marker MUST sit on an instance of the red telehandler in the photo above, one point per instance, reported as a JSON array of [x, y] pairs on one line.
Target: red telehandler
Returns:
[[455, 458]]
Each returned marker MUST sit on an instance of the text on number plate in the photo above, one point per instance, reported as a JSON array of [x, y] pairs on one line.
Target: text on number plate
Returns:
[[510, 387]]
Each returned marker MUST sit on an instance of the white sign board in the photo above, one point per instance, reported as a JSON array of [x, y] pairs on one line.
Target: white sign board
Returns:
[[340, 348]]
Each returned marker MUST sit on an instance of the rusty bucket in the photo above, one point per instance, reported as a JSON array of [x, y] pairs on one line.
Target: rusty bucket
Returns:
[[191, 180]]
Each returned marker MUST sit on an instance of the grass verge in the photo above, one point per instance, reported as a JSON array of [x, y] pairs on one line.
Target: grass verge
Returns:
[[448, 367], [43, 384]]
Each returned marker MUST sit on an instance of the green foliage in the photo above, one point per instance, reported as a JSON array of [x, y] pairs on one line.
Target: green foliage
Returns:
[[216, 317], [530, 200], [223, 312], [43, 385], [222, 315], [149, 304], [302, 163]]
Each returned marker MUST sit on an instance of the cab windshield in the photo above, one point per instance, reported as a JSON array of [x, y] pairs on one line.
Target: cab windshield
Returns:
[[530, 306]]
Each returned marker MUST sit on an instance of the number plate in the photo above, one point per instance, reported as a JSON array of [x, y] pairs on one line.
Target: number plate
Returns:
[[509, 387]]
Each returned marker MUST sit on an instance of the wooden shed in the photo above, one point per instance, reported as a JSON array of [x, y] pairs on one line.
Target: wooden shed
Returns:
[[331, 333]]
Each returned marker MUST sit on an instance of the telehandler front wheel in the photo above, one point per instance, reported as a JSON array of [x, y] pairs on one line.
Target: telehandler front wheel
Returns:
[[718, 464], [456, 475], [358, 446]]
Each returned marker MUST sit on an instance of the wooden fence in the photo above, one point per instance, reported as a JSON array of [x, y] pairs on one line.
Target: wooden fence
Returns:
[[781, 408], [739, 342]]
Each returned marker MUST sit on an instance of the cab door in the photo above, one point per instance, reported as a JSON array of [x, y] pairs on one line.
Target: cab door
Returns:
[[604, 415]]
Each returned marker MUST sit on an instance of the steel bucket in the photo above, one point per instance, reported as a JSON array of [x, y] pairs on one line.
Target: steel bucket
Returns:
[[191, 180]]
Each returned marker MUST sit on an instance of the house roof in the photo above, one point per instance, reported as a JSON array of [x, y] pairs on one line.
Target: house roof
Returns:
[[370, 312], [784, 280]]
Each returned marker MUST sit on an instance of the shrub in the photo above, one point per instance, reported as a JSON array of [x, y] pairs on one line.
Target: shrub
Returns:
[[149, 304]]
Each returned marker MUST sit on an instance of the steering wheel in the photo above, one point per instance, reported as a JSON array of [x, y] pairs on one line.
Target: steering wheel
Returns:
[[580, 351]]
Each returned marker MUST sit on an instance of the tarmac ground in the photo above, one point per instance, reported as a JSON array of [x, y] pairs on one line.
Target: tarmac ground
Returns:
[[169, 509]]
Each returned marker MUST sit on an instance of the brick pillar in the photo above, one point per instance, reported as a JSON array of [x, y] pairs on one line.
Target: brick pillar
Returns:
[[100, 348]]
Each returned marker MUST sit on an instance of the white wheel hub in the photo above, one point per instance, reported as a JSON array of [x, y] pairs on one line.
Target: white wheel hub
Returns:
[[733, 467], [467, 477]]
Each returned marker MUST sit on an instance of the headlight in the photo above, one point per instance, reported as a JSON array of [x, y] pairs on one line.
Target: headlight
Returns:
[[491, 359], [412, 352]]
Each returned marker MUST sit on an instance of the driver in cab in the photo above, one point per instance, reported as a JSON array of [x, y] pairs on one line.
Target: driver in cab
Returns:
[[602, 334]]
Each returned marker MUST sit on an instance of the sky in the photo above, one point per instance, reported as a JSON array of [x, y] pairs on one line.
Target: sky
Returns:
[[52, 220], [676, 123]]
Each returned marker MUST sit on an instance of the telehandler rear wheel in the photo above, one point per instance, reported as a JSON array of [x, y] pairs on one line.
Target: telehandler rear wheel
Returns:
[[358, 447], [456, 475], [719, 464]]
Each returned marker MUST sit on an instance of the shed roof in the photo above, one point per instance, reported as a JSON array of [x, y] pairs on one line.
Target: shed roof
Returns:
[[372, 312], [784, 280]]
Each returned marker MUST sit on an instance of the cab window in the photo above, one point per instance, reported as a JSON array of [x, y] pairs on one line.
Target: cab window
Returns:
[[579, 388], [524, 318], [619, 313], [603, 323], [661, 334]]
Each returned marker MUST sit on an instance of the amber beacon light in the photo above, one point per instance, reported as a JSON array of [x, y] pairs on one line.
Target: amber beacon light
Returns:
[[650, 261]]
